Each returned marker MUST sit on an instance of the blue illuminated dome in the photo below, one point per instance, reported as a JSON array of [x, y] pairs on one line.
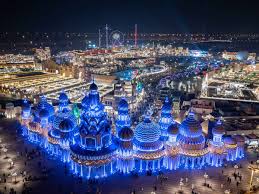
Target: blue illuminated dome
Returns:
[[66, 125], [44, 113], [147, 131], [93, 86], [126, 134], [63, 97], [43, 104], [173, 129], [61, 116], [123, 105], [190, 127], [26, 107]]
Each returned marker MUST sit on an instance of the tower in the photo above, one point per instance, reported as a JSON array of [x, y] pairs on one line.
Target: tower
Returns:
[[99, 38], [125, 162], [123, 119], [136, 35], [106, 35], [63, 101], [166, 118]]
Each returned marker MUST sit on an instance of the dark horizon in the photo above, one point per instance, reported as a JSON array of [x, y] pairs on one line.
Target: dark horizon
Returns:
[[165, 16]]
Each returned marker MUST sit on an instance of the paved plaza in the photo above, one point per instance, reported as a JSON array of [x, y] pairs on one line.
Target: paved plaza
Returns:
[[33, 171]]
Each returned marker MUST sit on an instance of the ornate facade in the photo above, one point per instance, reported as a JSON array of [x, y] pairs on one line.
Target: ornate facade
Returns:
[[83, 138]]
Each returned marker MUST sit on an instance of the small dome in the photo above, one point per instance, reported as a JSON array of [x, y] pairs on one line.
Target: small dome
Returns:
[[61, 116], [43, 104], [173, 129], [218, 129], [126, 133], [26, 107], [190, 127], [63, 97], [123, 105], [66, 125], [229, 141], [147, 131], [93, 86], [44, 113]]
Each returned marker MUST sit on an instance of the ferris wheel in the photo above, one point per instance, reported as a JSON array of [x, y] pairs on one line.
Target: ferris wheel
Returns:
[[116, 38]]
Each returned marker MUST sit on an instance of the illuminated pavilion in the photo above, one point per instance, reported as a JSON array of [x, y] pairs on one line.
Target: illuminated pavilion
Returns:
[[83, 138], [61, 134]]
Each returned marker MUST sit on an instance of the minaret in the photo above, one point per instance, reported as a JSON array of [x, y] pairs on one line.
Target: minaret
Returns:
[[106, 35], [125, 161], [100, 38], [136, 36], [218, 131], [26, 109], [123, 119], [63, 101], [166, 118]]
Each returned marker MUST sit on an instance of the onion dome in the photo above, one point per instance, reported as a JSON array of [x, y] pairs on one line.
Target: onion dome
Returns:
[[126, 134], [63, 97], [173, 129], [230, 141], [123, 105], [190, 127], [218, 129], [66, 125], [43, 104], [60, 117], [93, 86], [26, 107], [44, 114], [147, 131]]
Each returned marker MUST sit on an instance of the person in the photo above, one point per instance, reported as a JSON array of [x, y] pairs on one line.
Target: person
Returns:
[[186, 180], [221, 186]]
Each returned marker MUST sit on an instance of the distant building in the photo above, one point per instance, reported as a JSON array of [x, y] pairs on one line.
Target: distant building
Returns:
[[201, 106]]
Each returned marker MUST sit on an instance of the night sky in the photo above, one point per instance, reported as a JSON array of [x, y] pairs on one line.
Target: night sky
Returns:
[[165, 16]]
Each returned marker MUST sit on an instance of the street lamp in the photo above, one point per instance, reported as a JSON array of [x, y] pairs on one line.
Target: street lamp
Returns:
[[205, 177]]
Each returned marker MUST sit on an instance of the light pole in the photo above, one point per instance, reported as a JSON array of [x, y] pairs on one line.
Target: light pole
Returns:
[[205, 177]]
